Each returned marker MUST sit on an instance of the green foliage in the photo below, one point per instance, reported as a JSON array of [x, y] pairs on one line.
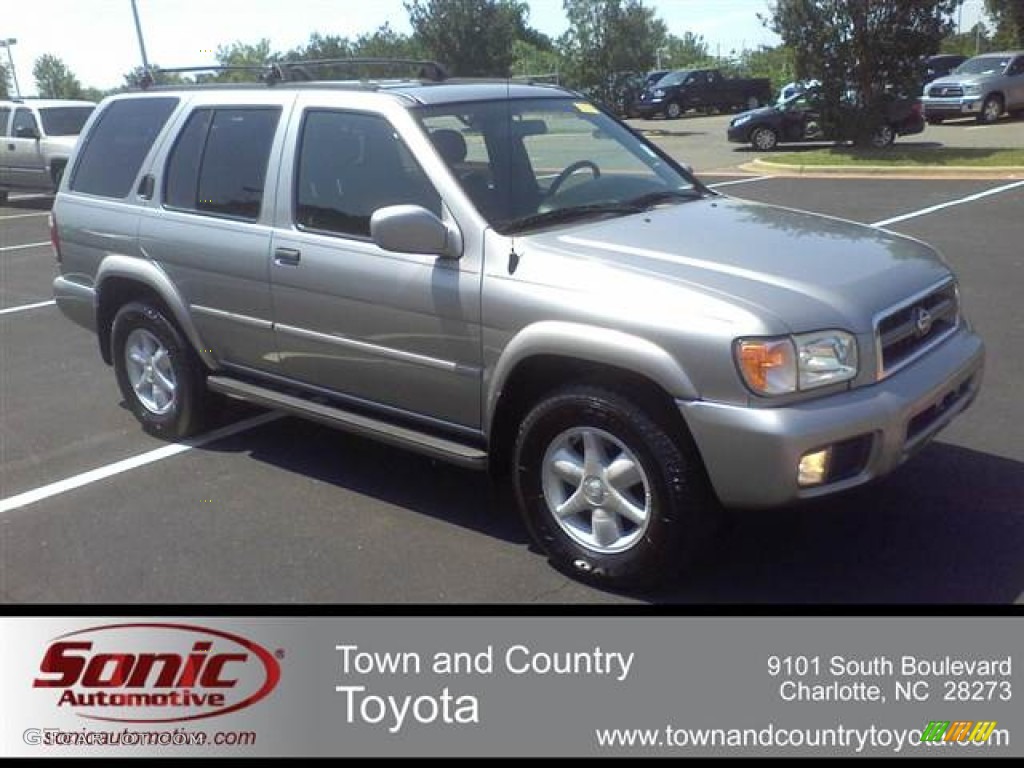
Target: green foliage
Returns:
[[872, 47], [472, 38], [970, 43], [690, 50], [1008, 17], [529, 59], [775, 63], [5, 91], [607, 37], [240, 54], [54, 80]]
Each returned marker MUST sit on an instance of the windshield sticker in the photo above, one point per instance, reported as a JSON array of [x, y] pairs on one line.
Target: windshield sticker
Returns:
[[589, 109]]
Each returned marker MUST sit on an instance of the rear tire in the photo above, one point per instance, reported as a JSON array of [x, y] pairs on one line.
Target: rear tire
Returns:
[[607, 493], [936, 120], [883, 137], [160, 377]]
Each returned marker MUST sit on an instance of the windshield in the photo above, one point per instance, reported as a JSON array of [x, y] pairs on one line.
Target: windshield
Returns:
[[64, 121], [673, 78], [522, 161], [983, 65]]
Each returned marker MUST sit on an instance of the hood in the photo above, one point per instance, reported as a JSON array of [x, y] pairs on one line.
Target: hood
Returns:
[[953, 79], [759, 112], [804, 270]]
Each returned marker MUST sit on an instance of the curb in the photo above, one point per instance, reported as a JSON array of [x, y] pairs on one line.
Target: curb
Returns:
[[895, 171]]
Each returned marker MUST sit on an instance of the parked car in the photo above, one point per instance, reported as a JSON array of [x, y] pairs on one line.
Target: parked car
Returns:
[[36, 137], [620, 90], [504, 276], [941, 65], [983, 87], [799, 119], [705, 89]]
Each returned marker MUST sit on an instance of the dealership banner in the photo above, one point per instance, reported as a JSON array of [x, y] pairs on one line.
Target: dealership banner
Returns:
[[591, 686]]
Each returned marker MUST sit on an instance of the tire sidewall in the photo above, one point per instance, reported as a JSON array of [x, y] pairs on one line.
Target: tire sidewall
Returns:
[[180, 420], [649, 559]]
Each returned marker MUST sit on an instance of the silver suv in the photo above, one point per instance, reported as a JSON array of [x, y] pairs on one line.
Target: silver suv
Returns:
[[36, 138], [503, 275]]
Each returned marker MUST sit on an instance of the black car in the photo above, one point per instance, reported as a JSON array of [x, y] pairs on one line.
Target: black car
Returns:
[[799, 119]]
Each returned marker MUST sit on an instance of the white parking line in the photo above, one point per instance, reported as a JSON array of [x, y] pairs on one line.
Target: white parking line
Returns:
[[950, 204], [24, 307], [159, 454], [739, 181], [26, 245], [24, 215]]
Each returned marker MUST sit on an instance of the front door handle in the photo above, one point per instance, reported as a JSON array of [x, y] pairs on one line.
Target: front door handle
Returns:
[[287, 257]]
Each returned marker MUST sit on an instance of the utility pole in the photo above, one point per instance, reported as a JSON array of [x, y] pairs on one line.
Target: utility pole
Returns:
[[14, 75], [138, 32]]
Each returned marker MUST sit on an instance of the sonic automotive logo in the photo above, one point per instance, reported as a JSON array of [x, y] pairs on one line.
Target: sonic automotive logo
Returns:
[[157, 673]]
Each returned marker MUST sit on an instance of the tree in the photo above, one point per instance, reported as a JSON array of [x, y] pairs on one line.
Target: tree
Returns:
[[775, 63], [690, 50], [135, 77], [385, 43], [54, 80], [470, 37], [873, 48], [240, 54], [1008, 17], [5, 92], [970, 43], [607, 37]]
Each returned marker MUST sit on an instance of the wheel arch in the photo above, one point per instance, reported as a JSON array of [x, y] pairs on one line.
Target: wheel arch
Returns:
[[121, 280], [548, 356]]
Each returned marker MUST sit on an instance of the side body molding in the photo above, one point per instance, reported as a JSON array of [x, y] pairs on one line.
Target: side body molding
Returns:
[[592, 344]]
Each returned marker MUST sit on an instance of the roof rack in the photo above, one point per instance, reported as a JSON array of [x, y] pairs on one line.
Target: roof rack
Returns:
[[293, 71]]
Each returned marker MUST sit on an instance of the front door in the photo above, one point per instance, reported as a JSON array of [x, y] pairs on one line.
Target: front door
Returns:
[[26, 167], [388, 329]]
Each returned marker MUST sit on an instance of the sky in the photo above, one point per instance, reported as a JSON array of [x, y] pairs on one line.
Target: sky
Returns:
[[96, 38]]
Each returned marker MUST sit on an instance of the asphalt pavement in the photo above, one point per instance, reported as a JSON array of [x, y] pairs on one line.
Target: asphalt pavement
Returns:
[[292, 512]]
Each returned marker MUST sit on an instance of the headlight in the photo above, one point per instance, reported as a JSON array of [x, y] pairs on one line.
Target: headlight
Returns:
[[742, 119], [658, 93], [779, 366], [972, 89]]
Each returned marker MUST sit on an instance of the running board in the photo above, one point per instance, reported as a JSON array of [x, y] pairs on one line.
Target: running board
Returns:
[[366, 426]]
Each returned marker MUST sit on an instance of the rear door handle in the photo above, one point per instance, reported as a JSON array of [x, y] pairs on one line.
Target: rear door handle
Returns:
[[287, 257]]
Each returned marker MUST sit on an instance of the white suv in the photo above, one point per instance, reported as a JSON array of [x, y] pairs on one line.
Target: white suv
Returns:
[[36, 137]]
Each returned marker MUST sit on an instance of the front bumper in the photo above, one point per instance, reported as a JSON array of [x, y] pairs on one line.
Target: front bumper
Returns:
[[648, 109], [738, 134], [956, 106], [752, 454]]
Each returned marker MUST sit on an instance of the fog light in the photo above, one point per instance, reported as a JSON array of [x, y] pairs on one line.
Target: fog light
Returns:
[[813, 468]]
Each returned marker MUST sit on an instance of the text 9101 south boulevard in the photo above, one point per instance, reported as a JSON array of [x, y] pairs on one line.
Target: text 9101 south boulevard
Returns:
[[886, 666]]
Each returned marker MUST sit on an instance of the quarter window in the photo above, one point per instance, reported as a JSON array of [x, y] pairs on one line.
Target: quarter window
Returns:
[[5, 115], [349, 165], [117, 144], [219, 163]]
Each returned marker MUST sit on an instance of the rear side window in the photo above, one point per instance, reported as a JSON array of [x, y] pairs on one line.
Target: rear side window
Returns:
[[5, 117], [219, 163], [113, 150]]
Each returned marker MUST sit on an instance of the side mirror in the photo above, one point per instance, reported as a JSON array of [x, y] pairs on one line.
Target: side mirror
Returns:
[[414, 229], [26, 132]]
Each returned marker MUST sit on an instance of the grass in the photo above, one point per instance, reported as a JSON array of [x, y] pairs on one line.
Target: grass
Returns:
[[901, 156]]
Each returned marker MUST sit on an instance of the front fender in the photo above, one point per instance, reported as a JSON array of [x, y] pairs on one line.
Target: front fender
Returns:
[[592, 344]]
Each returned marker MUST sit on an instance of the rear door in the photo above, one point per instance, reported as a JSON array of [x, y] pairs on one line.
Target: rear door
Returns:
[[5, 151], [26, 167], [209, 232], [1015, 84]]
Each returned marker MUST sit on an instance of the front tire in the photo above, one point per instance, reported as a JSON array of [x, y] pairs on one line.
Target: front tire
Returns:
[[606, 491], [991, 110], [764, 139], [883, 137], [936, 120], [160, 377], [673, 110]]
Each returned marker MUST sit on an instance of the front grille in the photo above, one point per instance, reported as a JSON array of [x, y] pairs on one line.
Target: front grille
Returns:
[[912, 328], [946, 91]]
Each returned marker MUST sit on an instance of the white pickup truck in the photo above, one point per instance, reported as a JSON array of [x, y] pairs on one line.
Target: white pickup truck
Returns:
[[36, 138]]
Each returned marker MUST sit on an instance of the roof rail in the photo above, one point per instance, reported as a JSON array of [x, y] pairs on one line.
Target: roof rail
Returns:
[[427, 69], [280, 71]]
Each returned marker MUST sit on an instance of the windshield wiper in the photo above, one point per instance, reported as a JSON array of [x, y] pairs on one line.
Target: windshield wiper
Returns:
[[644, 202], [562, 215]]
